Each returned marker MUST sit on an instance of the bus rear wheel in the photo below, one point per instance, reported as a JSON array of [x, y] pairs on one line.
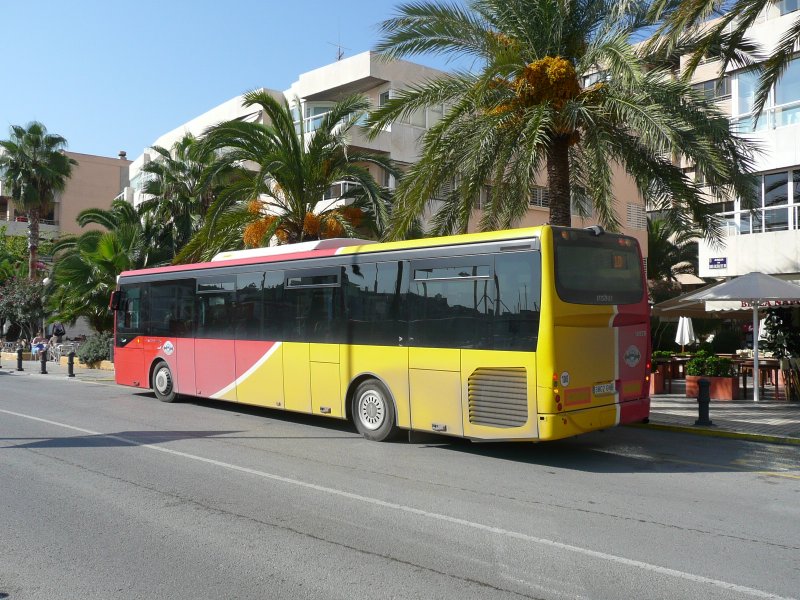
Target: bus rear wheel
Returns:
[[373, 411], [163, 384]]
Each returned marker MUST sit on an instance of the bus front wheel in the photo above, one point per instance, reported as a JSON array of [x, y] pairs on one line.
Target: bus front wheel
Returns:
[[373, 411], [163, 384]]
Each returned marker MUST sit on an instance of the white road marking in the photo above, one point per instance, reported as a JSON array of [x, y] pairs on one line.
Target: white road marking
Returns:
[[427, 514]]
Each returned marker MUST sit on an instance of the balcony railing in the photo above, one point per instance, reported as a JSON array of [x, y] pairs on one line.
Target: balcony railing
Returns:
[[25, 220], [771, 118]]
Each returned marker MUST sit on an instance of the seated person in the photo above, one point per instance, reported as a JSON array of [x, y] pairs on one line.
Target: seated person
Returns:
[[38, 344]]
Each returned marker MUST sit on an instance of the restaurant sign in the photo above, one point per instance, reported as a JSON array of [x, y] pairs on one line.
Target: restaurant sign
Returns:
[[718, 263]]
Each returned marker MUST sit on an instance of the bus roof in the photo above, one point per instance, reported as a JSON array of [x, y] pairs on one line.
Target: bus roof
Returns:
[[338, 246]]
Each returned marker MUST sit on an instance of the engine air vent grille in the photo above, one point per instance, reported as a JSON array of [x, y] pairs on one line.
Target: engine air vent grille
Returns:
[[498, 397]]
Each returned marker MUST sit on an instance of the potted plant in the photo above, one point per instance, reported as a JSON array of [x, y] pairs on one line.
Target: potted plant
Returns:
[[720, 372]]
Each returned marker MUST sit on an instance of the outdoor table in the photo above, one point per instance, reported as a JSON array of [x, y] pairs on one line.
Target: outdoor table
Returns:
[[675, 366], [766, 367]]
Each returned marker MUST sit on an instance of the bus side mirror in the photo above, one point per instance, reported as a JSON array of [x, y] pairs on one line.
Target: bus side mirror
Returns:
[[116, 300]]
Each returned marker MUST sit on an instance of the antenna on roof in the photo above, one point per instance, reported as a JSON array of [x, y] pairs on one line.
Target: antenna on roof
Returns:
[[339, 49]]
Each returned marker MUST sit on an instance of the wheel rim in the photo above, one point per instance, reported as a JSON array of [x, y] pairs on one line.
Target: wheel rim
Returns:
[[163, 381], [371, 410]]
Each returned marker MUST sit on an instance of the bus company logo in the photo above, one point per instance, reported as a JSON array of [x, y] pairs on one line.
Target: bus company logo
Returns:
[[168, 348], [632, 356], [564, 379]]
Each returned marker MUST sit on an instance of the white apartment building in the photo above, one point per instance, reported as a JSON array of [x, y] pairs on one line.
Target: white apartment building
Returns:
[[377, 79], [317, 91], [767, 240]]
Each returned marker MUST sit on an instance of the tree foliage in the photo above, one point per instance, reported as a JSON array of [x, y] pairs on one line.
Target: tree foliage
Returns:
[[86, 267], [35, 168], [528, 108], [21, 304], [182, 184], [280, 174]]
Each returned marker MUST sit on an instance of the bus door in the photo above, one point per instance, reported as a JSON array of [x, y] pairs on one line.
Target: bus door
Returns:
[[214, 352], [450, 301], [259, 331], [128, 353], [311, 353], [376, 339], [170, 331]]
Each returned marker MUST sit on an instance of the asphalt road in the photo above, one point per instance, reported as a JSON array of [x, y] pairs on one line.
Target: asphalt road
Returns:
[[107, 493]]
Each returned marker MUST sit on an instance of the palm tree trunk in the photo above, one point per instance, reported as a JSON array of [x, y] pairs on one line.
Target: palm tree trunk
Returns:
[[558, 180], [33, 242]]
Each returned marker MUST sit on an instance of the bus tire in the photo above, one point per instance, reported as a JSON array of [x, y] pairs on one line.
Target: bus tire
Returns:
[[373, 411], [162, 383]]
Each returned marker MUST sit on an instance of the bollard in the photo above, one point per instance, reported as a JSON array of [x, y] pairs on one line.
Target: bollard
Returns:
[[19, 360], [71, 364], [43, 360], [703, 401]]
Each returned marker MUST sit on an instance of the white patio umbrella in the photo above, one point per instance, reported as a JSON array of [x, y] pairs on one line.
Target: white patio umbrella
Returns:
[[756, 289], [685, 333]]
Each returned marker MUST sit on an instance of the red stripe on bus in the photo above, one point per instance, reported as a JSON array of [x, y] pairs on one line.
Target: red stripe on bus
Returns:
[[232, 263]]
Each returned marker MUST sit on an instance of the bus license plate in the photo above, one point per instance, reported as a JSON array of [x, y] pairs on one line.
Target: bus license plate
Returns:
[[603, 389]]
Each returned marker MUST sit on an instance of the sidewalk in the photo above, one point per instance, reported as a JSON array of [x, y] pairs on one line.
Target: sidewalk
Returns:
[[769, 420], [54, 369]]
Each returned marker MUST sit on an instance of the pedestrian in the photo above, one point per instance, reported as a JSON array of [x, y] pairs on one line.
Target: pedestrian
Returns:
[[59, 331]]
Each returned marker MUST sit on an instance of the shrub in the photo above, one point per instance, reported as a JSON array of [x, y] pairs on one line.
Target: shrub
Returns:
[[95, 349], [662, 353], [707, 365]]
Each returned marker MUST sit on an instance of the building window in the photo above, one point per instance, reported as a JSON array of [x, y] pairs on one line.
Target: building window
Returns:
[[540, 197], [636, 216], [715, 89], [384, 97], [778, 200], [787, 6], [782, 107]]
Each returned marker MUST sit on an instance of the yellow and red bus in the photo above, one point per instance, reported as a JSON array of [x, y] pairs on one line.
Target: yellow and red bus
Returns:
[[528, 334]]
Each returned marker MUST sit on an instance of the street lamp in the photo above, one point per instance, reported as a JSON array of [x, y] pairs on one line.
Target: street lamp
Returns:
[[45, 282]]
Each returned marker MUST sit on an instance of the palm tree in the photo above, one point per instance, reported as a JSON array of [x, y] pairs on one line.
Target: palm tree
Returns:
[[35, 168], [669, 252], [86, 267], [685, 30], [559, 89], [283, 174], [182, 186]]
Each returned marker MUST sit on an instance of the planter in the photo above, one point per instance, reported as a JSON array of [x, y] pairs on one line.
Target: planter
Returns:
[[656, 382], [105, 365], [721, 388]]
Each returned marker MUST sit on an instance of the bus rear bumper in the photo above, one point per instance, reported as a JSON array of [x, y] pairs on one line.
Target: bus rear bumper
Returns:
[[576, 422], [634, 411]]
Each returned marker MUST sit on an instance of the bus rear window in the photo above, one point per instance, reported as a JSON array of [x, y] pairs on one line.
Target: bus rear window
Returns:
[[590, 269]]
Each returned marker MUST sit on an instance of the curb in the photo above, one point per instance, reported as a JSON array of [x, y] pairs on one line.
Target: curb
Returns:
[[737, 435]]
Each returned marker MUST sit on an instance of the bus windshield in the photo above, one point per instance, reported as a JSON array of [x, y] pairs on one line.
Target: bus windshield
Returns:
[[592, 269]]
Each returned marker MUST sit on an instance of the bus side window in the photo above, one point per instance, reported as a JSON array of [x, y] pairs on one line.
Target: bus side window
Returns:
[[518, 276], [451, 303], [314, 306], [276, 313], [371, 293], [215, 302], [249, 314], [172, 308]]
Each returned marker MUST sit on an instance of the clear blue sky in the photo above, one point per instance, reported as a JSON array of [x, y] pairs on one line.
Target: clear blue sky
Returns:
[[112, 76]]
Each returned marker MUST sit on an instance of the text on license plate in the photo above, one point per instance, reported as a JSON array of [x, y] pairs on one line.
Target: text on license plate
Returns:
[[602, 389]]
